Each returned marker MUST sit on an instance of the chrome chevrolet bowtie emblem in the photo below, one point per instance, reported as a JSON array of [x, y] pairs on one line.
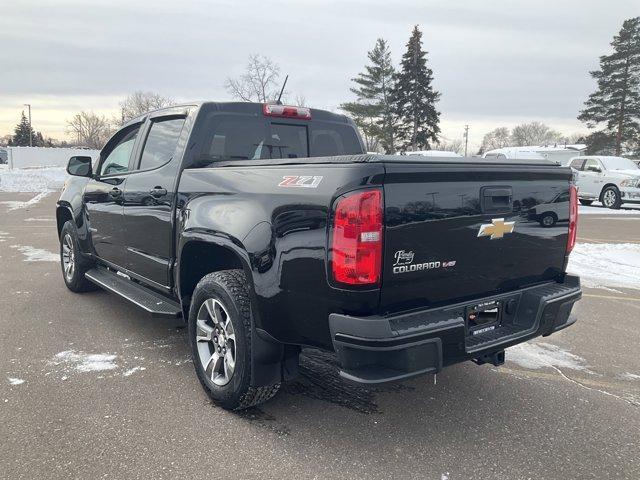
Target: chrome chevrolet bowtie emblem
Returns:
[[497, 228]]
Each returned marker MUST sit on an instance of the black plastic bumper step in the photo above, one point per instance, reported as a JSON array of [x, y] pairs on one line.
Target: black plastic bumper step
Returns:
[[477, 342], [154, 303]]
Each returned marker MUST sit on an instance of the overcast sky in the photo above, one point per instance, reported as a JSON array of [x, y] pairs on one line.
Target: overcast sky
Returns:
[[496, 63]]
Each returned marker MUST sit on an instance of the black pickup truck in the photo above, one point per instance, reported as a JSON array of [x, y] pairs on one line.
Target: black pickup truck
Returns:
[[270, 229]]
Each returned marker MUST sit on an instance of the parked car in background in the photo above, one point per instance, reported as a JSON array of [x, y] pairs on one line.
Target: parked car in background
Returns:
[[610, 180], [513, 153], [556, 153], [548, 214], [3, 155]]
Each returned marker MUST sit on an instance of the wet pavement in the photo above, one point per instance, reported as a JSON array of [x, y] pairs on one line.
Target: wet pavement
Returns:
[[91, 387]]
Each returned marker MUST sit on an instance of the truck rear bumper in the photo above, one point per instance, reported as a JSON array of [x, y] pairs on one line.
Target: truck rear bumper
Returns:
[[380, 349]]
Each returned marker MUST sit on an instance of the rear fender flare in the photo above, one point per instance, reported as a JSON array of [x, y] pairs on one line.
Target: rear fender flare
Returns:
[[214, 240], [268, 354]]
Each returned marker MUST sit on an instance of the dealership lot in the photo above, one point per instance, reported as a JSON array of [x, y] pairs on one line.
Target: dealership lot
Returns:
[[92, 387]]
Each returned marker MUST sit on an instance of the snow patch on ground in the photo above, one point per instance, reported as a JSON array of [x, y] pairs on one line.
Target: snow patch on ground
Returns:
[[606, 264], [36, 254], [84, 362], [630, 376], [38, 219], [15, 381], [627, 209], [16, 204], [32, 179], [534, 356]]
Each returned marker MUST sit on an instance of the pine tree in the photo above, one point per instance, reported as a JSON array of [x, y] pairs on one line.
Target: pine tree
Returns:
[[372, 110], [616, 102], [414, 99], [21, 133]]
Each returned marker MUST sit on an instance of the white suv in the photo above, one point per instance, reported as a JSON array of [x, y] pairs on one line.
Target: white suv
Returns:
[[610, 180]]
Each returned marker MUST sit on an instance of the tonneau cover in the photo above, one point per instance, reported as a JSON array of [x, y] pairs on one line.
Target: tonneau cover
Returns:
[[374, 158]]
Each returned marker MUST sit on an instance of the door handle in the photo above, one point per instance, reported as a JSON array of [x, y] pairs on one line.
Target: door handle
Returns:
[[158, 192], [115, 192]]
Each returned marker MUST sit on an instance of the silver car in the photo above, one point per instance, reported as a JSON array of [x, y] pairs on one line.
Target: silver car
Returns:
[[610, 180]]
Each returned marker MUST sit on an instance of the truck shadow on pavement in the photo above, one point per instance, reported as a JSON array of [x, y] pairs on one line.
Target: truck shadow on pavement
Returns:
[[319, 379]]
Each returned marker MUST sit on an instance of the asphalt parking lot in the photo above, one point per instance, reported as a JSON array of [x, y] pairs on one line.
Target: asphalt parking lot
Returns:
[[91, 387]]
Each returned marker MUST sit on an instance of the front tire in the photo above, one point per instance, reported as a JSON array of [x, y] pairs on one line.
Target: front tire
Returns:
[[611, 198], [74, 264], [548, 219], [220, 335]]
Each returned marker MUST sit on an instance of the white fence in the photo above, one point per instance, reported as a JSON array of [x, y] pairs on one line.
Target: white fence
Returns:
[[25, 157]]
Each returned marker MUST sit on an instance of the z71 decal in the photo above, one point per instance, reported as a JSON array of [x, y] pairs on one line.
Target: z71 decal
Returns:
[[310, 181]]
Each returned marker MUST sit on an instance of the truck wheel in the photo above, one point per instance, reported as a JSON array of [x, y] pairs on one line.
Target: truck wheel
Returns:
[[611, 198], [586, 202], [548, 219], [220, 334], [73, 263]]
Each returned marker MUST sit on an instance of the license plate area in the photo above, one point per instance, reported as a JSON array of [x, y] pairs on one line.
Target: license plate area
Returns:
[[483, 317]]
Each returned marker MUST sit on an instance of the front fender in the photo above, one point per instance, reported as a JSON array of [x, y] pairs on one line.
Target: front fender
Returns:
[[70, 201]]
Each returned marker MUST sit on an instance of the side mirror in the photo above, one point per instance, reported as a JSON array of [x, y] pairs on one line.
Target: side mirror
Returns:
[[79, 166], [594, 169]]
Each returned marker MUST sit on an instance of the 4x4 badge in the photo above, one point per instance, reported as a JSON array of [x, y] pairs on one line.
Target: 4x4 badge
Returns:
[[496, 229]]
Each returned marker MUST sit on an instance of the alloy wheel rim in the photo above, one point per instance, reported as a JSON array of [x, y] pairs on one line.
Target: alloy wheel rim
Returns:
[[68, 257], [216, 341], [548, 220], [609, 198]]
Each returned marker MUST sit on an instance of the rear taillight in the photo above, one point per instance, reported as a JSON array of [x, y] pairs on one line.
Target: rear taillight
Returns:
[[286, 111], [356, 242], [573, 218]]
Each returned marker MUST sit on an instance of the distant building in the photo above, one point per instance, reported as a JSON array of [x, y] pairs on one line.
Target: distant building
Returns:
[[557, 153]]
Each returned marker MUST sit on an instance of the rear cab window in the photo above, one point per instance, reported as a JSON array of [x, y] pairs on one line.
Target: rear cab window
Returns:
[[229, 137]]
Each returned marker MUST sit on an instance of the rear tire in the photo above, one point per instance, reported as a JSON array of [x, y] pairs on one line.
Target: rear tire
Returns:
[[586, 202], [74, 264], [220, 335], [611, 198]]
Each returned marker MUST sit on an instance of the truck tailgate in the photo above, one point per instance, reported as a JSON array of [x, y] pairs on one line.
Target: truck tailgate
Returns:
[[462, 231]]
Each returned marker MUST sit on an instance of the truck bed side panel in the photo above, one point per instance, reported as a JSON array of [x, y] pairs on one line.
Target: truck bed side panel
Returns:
[[284, 231]]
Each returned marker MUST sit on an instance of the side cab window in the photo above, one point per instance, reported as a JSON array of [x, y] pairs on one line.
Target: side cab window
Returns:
[[161, 142], [592, 165], [116, 155]]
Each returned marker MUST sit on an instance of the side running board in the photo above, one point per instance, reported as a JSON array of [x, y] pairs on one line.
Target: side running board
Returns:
[[154, 303]]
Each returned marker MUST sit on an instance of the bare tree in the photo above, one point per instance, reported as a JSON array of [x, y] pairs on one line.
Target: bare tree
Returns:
[[533, 133], [90, 129], [456, 146], [573, 138], [139, 103], [496, 138], [259, 83], [300, 100]]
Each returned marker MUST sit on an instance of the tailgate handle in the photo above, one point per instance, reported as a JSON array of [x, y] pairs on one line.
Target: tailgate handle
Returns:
[[496, 199]]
